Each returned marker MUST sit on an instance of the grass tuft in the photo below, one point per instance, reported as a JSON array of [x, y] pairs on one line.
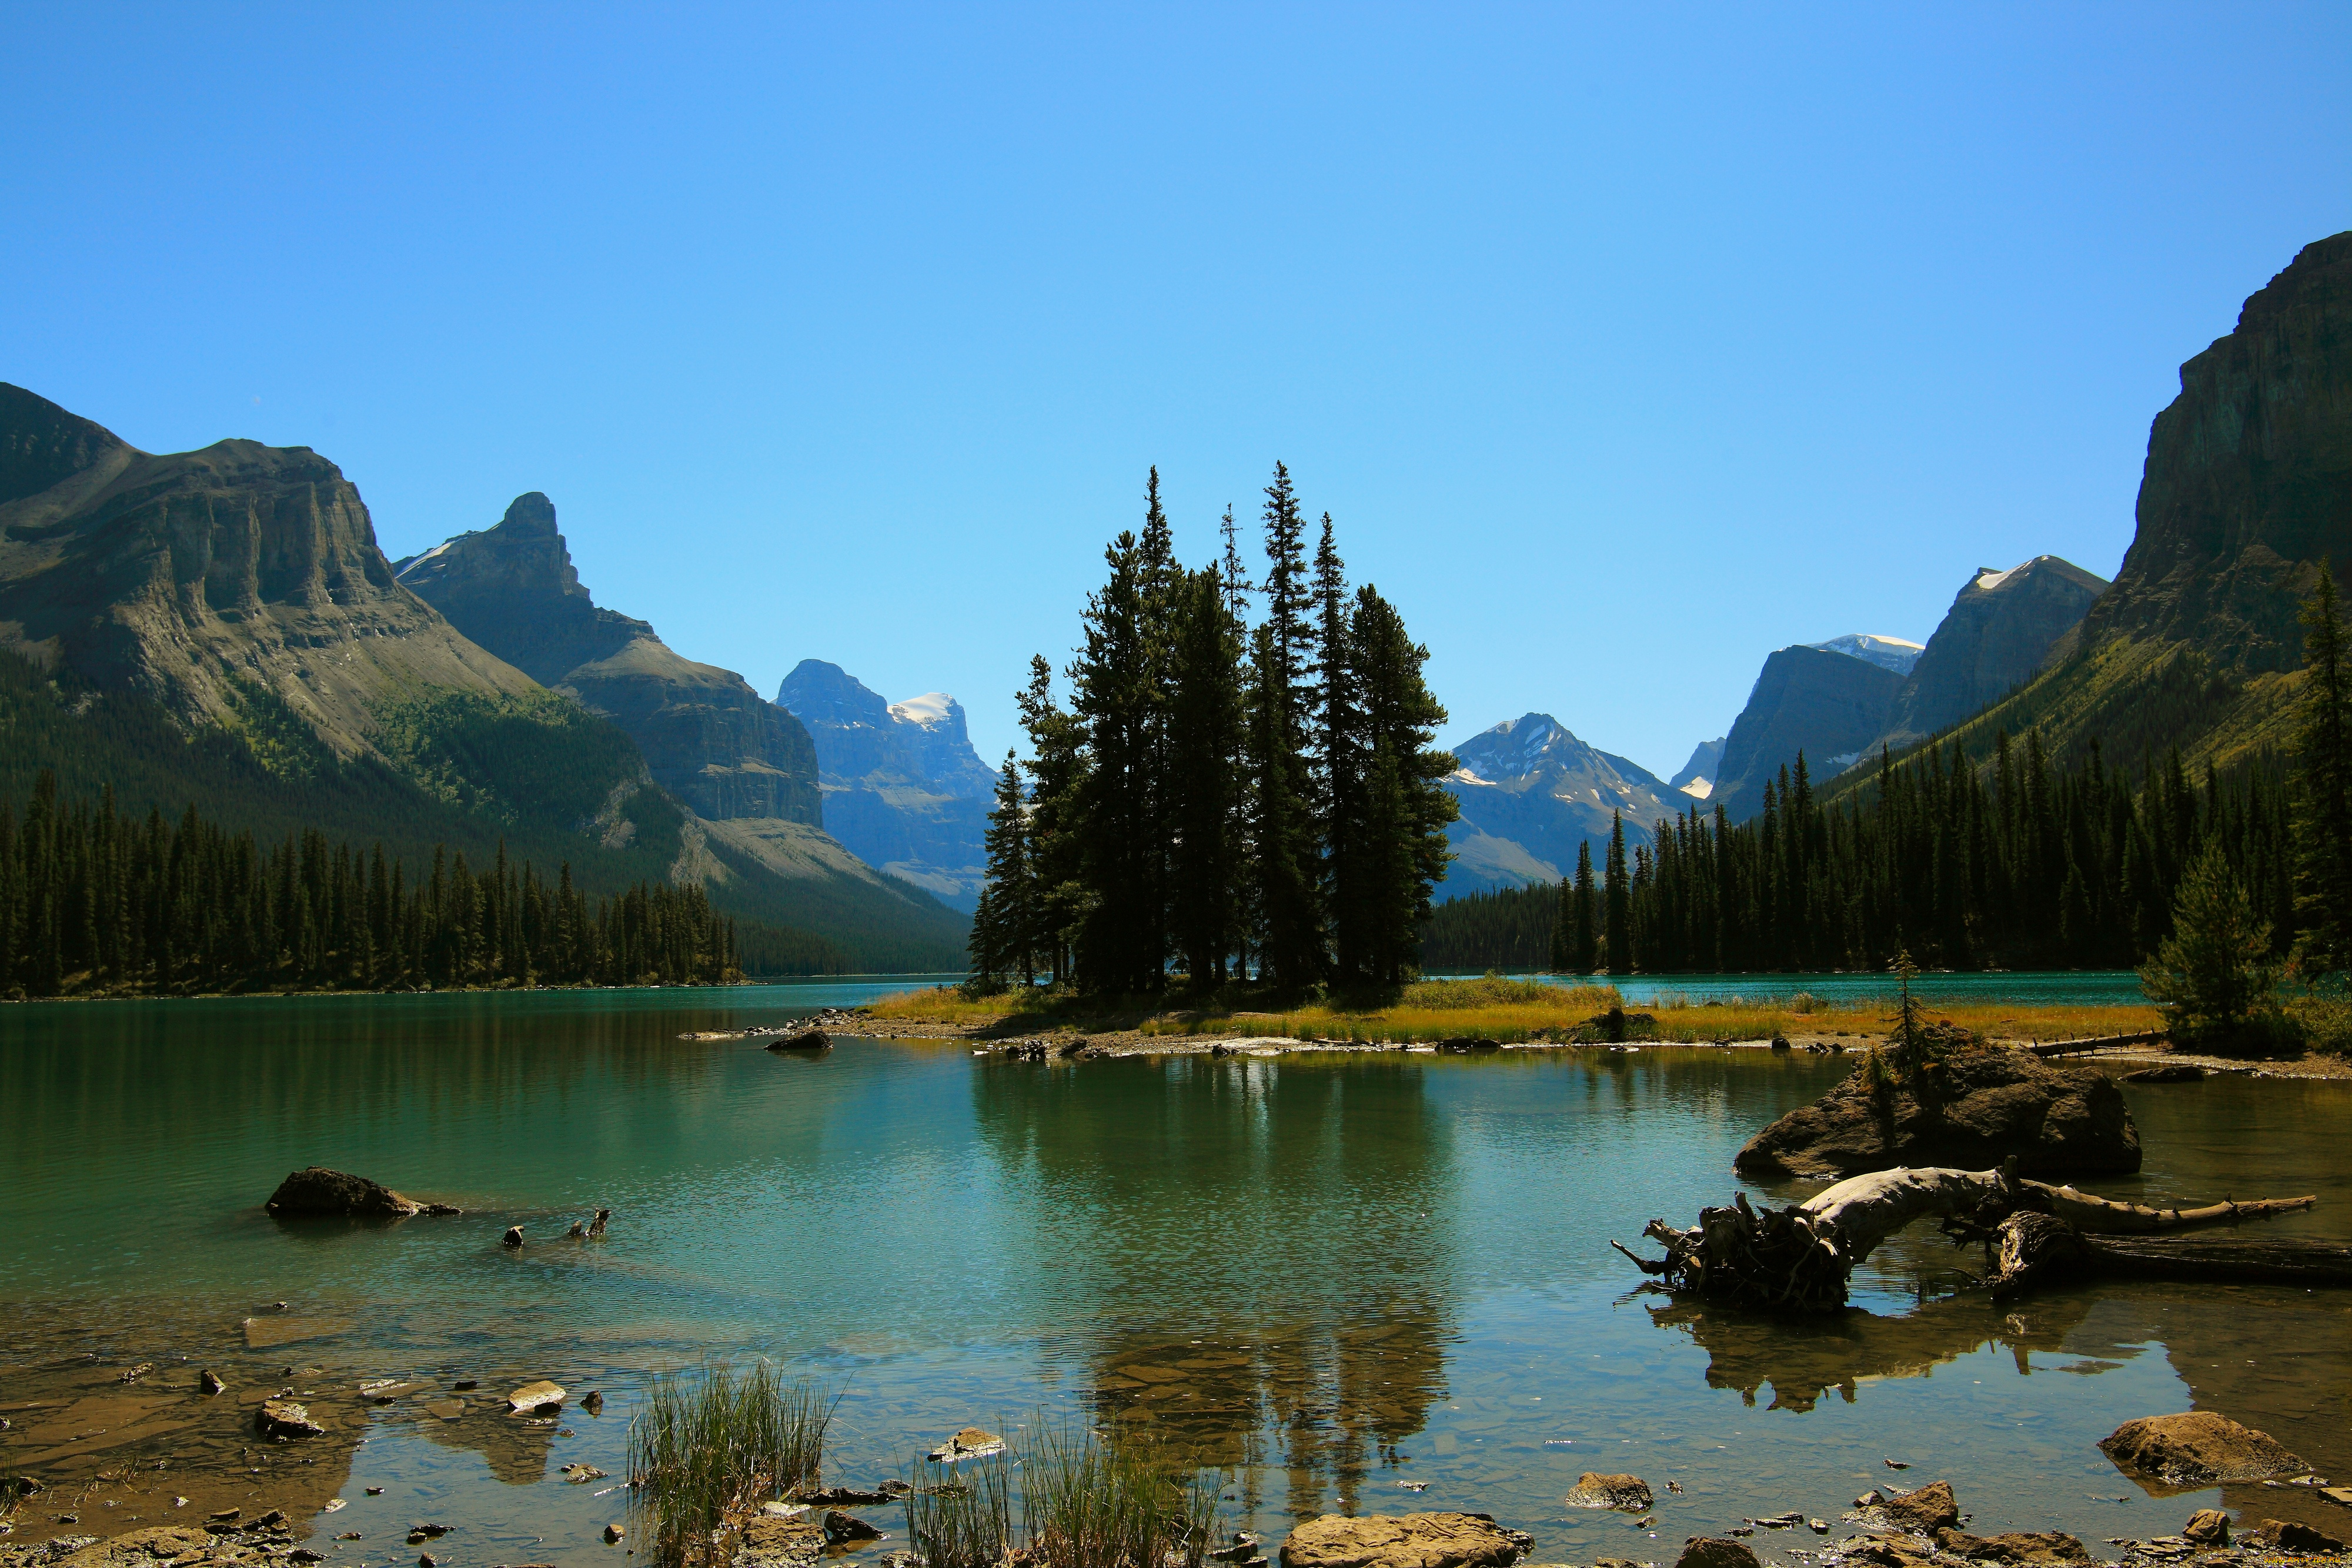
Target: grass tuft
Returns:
[[961, 1516], [706, 1449], [1090, 1503]]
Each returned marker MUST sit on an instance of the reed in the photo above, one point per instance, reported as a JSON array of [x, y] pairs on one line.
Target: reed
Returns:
[[707, 1448], [961, 1516], [1090, 1503]]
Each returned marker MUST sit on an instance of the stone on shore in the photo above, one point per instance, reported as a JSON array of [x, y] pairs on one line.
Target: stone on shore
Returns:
[[2281, 1535], [1713, 1552], [285, 1418], [840, 1527], [1629, 1494], [1407, 1540], [1971, 1111], [2207, 1527], [136, 1549], [768, 1542], [2026, 1549], [318, 1191], [2196, 1449], [1930, 1509]]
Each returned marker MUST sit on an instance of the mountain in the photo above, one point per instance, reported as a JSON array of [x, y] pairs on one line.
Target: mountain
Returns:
[[903, 786], [1829, 706], [706, 736], [2000, 627], [1697, 776], [213, 582], [744, 768], [2247, 487], [220, 628], [1895, 654], [1530, 792]]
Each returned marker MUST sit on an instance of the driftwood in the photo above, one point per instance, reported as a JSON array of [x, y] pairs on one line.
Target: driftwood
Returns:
[[1800, 1258]]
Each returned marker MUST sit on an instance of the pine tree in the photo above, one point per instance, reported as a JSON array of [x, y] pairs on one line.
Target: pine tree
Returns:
[[1399, 840], [1584, 932], [2322, 786], [1617, 896], [2216, 969], [1004, 924], [1205, 721]]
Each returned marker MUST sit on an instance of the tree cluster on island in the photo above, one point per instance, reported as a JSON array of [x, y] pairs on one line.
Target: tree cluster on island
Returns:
[[1240, 801]]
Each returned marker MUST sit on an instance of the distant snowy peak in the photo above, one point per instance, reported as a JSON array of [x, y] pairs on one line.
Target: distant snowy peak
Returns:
[[929, 710], [1895, 654], [1696, 777], [1517, 748]]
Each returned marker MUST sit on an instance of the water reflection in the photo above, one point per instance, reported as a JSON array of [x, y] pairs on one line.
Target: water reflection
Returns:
[[1805, 1359], [1281, 1297]]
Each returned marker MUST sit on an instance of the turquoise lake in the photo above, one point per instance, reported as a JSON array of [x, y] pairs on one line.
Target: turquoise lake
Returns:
[[1370, 1283]]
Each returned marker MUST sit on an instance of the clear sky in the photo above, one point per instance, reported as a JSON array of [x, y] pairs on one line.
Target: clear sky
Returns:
[[1623, 343]]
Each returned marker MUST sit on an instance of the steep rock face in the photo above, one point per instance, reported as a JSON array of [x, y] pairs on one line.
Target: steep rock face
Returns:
[[198, 579], [2000, 627], [2248, 484], [706, 736], [1828, 706], [903, 787], [1530, 791], [1697, 777], [1900, 654]]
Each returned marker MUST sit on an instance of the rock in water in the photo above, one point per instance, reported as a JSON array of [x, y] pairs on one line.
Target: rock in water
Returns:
[[2024, 1549], [971, 1443], [208, 1381], [1930, 1509], [770, 1541], [285, 1418], [1971, 1110], [807, 1040], [2194, 1450], [1708, 1552], [321, 1191], [841, 1527], [1628, 1494], [1406, 1541], [513, 1238], [539, 1396]]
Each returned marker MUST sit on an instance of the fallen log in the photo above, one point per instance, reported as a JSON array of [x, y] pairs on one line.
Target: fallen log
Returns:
[[1800, 1258]]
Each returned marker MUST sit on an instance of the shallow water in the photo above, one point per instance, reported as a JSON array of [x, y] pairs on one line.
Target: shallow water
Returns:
[[1329, 1274]]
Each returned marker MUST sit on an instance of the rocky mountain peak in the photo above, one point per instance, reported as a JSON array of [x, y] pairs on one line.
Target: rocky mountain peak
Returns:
[[2001, 628], [42, 444], [818, 693], [1895, 654]]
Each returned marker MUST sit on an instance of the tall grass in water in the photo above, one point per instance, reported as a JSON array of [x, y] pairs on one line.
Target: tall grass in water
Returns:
[[706, 1451], [961, 1516], [1090, 1503]]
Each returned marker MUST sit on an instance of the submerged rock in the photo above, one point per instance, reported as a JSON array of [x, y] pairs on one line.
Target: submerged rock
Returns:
[[807, 1040], [1710, 1551], [2196, 1449], [285, 1418], [770, 1541], [971, 1443], [2170, 1072], [1971, 1111], [842, 1527], [2027, 1549], [318, 1191], [539, 1396], [1629, 1494], [1405, 1541]]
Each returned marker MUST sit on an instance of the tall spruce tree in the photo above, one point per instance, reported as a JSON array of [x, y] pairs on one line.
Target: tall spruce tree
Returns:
[[1004, 926], [1584, 931], [2322, 786], [1617, 895], [1397, 805], [1206, 719], [1288, 911]]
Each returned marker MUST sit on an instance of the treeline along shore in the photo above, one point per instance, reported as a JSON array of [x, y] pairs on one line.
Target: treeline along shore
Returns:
[[93, 900]]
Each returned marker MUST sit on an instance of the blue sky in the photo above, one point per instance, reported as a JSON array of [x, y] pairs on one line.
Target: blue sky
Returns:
[[1623, 344]]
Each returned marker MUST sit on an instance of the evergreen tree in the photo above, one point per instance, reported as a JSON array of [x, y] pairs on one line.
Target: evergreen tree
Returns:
[[1584, 932], [2216, 968], [1617, 894], [2322, 786], [1398, 836], [1205, 721], [1005, 924]]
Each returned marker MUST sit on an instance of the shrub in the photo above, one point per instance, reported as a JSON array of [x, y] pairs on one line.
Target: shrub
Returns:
[[1087, 1502], [2215, 972], [1802, 1002]]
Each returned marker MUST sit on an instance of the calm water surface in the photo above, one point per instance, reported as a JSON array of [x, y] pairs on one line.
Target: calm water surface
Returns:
[[2048, 988], [1330, 1275]]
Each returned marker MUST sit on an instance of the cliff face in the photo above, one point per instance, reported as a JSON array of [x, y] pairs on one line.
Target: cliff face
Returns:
[[1830, 707], [903, 787], [197, 578], [2248, 486], [706, 735], [1530, 791], [1999, 629]]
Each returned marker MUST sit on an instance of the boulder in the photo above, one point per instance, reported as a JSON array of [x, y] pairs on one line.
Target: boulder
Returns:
[[2196, 1449], [136, 1549], [2207, 1527], [1713, 1552], [1971, 1110], [2028, 1549], [1930, 1509], [1407, 1540], [209, 1382], [318, 1191], [285, 1418], [768, 1542], [807, 1040], [2170, 1072], [1630, 1494], [513, 1238]]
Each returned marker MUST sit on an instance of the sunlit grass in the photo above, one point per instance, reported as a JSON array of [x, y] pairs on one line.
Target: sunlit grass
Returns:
[[1504, 1010], [1087, 1502], [961, 1516], [707, 1448]]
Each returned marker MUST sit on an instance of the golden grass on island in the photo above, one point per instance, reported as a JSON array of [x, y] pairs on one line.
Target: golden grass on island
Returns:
[[1506, 1010]]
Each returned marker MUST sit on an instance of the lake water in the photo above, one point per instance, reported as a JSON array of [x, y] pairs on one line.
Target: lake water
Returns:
[[1327, 1275]]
